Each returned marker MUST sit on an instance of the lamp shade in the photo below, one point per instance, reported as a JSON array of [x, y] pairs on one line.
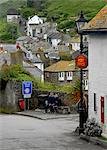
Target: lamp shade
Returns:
[[81, 21]]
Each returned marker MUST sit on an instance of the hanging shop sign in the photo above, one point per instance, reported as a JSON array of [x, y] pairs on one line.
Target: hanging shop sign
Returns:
[[81, 61]]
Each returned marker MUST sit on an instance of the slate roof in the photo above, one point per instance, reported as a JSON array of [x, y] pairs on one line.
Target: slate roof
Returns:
[[98, 23], [36, 60], [32, 69], [40, 44], [61, 66], [53, 55], [10, 47], [12, 11], [55, 35], [24, 38]]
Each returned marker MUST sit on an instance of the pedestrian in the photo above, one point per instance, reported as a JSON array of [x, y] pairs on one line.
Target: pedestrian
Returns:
[[46, 105], [51, 101], [56, 103]]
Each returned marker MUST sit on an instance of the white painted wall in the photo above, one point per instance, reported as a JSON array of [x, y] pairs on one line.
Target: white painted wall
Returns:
[[55, 42], [34, 24], [40, 66], [75, 45], [12, 18], [97, 74]]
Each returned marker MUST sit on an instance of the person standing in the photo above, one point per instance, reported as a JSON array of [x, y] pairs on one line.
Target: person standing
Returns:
[[46, 105], [51, 101]]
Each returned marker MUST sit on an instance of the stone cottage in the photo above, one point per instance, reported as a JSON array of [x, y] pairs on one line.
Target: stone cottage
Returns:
[[60, 72]]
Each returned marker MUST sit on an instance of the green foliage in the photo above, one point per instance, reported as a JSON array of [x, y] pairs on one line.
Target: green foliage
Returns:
[[76, 84], [66, 24], [37, 4], [27, 11], [71, 9], [8, 31], [67, 88], [46, 86], [65, 55]]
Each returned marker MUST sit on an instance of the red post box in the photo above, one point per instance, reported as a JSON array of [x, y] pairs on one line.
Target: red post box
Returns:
[[102, 109], [21, 104]]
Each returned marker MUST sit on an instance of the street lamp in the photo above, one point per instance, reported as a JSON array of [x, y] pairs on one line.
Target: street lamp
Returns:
[[80, 23]]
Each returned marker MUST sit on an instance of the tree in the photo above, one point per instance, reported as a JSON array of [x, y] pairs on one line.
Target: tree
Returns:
[[38, 4]]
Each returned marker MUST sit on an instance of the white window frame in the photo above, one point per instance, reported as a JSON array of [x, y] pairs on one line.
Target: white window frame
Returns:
[[69, 75], [61, 76], [86, 84]]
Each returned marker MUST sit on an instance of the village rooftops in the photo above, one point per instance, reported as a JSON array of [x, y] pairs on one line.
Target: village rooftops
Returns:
[[55, 35], [61, 66], [98, 23], [36, 59], [12, 11]]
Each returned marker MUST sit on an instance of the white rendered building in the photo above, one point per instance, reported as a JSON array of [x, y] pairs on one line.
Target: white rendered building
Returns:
[[96, 30]]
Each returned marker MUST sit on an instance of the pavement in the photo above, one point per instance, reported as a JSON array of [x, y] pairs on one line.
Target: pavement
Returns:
[[94, 140], [40, 114]]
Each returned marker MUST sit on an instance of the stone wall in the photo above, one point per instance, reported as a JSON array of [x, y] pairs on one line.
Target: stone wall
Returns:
[[11, 93]]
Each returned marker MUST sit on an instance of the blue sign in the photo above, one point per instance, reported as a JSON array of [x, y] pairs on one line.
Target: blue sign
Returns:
[[26, 88]]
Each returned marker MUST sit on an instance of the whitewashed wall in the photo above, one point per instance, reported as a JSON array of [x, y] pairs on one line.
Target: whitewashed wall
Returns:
[[75, 46], [98, 75], [11, 18], [55, 42]]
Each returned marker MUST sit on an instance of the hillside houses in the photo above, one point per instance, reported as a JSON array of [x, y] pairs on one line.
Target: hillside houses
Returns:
[[13, 15], [43, 42]]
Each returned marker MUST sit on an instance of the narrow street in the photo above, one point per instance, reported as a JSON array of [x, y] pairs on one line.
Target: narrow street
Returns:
[[25, 133]]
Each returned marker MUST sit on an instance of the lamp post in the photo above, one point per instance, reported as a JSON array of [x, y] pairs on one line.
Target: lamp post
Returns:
[[80, 23]]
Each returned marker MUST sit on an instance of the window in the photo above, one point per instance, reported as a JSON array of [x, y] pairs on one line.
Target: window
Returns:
[[69, 75], [34, 32], [86, 84], [47, 74], [61, 76], [95, 108]]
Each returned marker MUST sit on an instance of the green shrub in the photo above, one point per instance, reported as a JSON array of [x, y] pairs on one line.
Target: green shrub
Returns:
[[27, 12], [8, 31]]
